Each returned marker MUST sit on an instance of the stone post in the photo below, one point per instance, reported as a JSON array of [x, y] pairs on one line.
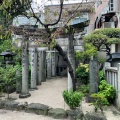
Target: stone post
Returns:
[[53, 63], [39, 67], [71, 57], [25, 61], [94, 76], [33, 85], [43, 66], [118, 91], [49, 65], [107, 64]]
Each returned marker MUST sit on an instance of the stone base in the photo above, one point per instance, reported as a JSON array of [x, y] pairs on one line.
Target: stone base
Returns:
[[32, 89], [89, 99], [23, 95], [39, 83]]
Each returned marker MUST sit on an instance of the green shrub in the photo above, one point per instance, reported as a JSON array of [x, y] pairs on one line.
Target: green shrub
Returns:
[[83, 72], [84, 56], [105, 96], [7, 77], [72, 99], [101, 75], [99, 101], [107, 90], [18, 67], [83, 88]]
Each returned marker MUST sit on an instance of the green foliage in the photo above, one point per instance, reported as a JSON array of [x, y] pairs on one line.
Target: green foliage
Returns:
[[97, 40], [101, 75], [99, 101], [89, 51], [82, 72], [4, 34], [7, 44], [18, 67], [105, 96], [103, 37], [83, 88], [7, 77], [7, 74], [107, 90], [109, 32], [53, 43], [14, 8], [72, 99]]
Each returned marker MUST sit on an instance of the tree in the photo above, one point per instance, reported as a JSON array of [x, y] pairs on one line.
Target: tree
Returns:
[[84, 56], [12, 8], [102, 39], [52, 33]]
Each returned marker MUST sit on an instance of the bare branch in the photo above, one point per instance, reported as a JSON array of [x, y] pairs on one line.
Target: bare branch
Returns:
[[75, 12]]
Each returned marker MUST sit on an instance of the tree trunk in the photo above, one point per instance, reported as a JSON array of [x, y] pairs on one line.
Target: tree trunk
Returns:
[[65, 58], [71, 57]]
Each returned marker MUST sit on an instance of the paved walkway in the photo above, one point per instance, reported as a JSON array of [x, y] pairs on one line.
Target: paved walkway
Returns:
[[50, 93]]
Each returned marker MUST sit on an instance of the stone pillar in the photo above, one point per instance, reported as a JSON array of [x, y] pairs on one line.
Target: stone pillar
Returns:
[[25, 61], [94, 76], [71, 57], [118, 91], [33, 84], [53, 63], [49, 65], [39, 67], [43, 66]]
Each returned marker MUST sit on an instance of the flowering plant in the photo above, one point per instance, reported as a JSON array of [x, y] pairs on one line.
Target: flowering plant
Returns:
[[83, 72]]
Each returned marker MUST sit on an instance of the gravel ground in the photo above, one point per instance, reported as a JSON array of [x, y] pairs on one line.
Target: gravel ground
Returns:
[[50, 93]]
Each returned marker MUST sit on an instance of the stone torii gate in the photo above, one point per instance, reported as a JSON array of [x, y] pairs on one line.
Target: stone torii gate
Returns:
[[29, 31]]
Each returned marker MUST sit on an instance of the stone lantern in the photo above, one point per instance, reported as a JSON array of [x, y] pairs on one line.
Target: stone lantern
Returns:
[[8, 57]]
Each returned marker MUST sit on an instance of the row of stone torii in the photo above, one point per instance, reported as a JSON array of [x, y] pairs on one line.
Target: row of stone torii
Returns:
[[26, 33], [41, 61]]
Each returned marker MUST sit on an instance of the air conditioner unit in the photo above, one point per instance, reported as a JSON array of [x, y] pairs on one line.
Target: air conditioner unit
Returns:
[[108, 25]]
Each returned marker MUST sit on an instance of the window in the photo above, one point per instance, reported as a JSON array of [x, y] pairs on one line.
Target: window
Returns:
[[111, 5]]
